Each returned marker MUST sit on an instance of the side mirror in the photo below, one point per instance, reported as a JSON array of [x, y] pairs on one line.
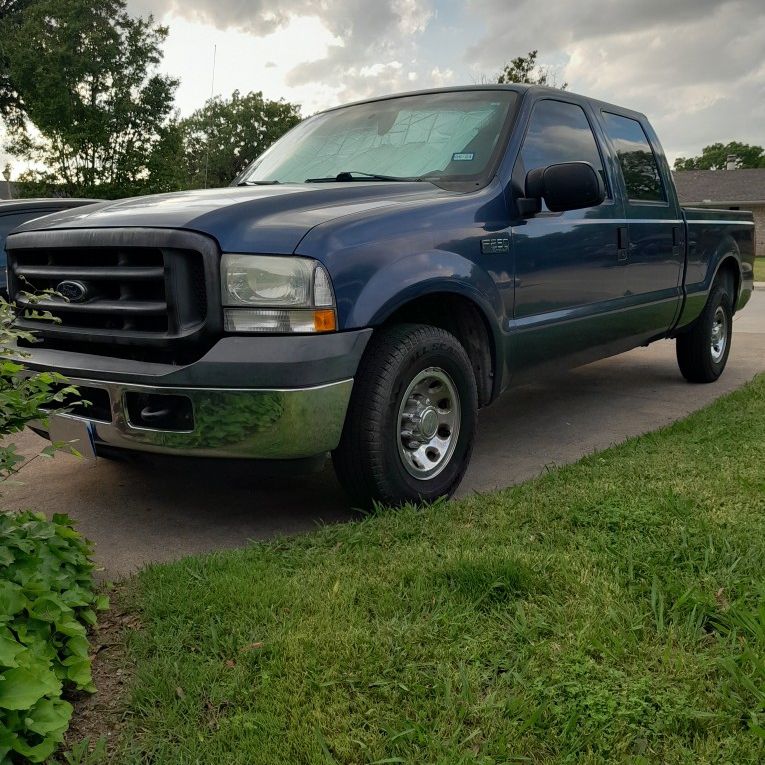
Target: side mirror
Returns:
[[566, 186]]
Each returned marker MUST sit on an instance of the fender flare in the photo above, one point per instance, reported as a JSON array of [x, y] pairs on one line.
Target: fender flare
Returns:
[[727, 251], [417, 276]]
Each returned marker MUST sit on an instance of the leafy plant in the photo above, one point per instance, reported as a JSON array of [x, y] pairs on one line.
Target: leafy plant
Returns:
[[46, 588], [715, 157], [225, 135], [46, 604], [526, 69], [24, 396]]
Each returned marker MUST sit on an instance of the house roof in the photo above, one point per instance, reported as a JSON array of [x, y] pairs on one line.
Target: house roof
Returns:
[[718, 186]]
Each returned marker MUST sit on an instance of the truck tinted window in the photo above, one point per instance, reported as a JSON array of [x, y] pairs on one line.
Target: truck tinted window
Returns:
[[637, 160], [559, 132]]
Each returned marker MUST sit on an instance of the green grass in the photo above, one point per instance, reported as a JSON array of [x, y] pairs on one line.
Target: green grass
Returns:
[[759, 269], [613, 610]]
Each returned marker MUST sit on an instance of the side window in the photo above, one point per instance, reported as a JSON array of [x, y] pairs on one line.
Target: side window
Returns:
[[559, 132], [637, 160]]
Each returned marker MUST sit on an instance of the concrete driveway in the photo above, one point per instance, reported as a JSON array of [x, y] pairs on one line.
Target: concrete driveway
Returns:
[[156, 510]]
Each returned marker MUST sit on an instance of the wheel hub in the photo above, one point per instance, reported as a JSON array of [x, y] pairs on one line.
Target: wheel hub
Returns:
[[427, 424], [429, 419], [719, 337]]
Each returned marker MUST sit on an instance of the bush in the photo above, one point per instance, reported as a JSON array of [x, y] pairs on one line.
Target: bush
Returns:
[[23, 395], [46, 588], [46, 605]]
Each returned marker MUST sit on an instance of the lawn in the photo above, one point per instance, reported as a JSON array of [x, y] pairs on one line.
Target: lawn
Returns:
[[610, 610], [759, 269]]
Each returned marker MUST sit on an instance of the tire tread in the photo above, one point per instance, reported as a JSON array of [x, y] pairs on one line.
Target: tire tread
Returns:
[[359, 460], [692, 347]]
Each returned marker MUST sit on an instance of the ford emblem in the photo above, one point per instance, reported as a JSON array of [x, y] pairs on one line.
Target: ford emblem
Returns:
[[74, 292]]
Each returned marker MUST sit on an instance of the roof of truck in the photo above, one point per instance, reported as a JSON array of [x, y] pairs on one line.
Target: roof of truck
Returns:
[[518, 87]]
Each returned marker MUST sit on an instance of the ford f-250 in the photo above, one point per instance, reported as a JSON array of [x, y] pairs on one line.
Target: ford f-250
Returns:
[[374, 278]]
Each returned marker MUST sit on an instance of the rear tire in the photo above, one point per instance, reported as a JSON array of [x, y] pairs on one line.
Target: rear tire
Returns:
[[702, 351], [411, 421]]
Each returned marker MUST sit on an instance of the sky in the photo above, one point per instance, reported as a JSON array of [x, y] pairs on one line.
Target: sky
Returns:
[[695, 67]]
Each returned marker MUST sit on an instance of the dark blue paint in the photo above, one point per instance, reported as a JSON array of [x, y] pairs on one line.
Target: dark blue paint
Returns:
[[564, 292], [13, 213], [265, 219]]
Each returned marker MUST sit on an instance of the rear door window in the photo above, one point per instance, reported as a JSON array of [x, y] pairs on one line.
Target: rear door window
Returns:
[[636, 158]]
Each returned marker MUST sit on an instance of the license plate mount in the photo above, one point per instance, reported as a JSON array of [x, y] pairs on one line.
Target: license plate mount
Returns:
[[78, 434]]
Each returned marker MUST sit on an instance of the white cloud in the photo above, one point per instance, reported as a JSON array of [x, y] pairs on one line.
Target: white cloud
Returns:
[[441, 77], [245, 61], [373, 46]]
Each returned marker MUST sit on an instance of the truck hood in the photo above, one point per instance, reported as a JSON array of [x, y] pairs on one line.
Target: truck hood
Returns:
[[270, 219]]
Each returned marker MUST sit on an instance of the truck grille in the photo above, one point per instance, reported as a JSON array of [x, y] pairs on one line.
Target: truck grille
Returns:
[[122, 290], [119, 299]]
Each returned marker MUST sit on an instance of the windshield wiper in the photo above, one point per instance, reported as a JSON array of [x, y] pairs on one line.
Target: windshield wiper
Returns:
[[258, 183], [347, 175]]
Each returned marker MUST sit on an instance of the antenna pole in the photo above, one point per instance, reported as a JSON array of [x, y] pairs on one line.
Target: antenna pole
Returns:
[[209, 126]]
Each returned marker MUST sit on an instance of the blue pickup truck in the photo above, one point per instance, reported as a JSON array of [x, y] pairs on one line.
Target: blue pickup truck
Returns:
[[374, 278]]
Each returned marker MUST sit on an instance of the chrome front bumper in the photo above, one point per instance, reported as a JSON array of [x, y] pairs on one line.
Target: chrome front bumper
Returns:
[[227, 422]]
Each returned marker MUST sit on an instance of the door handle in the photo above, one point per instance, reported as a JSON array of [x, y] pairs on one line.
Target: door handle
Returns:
[[622, 242], [675, 240]]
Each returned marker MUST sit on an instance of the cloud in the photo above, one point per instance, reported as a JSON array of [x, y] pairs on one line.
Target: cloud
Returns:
[[377, 41], [526, 25], [258, 17], [695, 67]]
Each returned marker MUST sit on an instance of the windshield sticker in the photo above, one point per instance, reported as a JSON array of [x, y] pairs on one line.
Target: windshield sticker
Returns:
[[463, 157]]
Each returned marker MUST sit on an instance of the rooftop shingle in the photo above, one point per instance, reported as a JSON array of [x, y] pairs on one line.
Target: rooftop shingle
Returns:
[[730, 186]]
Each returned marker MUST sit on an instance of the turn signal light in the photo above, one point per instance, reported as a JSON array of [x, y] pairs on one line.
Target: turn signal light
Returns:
[[324, 320], [279, 321]]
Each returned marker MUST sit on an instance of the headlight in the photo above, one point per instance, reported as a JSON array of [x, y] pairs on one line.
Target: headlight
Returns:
[[268, 293]]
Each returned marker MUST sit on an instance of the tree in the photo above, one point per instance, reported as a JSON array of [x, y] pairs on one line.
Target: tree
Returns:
[[639, 172], [11, 15], [525, 69], [96, 111], [225, 135], [166, 165], [715, 157]]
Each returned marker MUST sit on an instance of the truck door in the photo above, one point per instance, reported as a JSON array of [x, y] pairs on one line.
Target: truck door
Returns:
[[656, 249], [569, 274]]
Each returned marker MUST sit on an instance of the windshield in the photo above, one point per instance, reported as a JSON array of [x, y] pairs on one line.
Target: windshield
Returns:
[[452, 136]]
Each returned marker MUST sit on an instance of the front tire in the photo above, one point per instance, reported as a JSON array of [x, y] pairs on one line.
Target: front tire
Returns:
[[702, 352], [411, 421]]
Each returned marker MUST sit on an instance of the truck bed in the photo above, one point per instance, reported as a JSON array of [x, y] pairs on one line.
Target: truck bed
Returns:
[[710, 234]]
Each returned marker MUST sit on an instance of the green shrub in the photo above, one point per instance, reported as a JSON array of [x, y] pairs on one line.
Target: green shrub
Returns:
[[46, 605], [46, 588], [24, 396]]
